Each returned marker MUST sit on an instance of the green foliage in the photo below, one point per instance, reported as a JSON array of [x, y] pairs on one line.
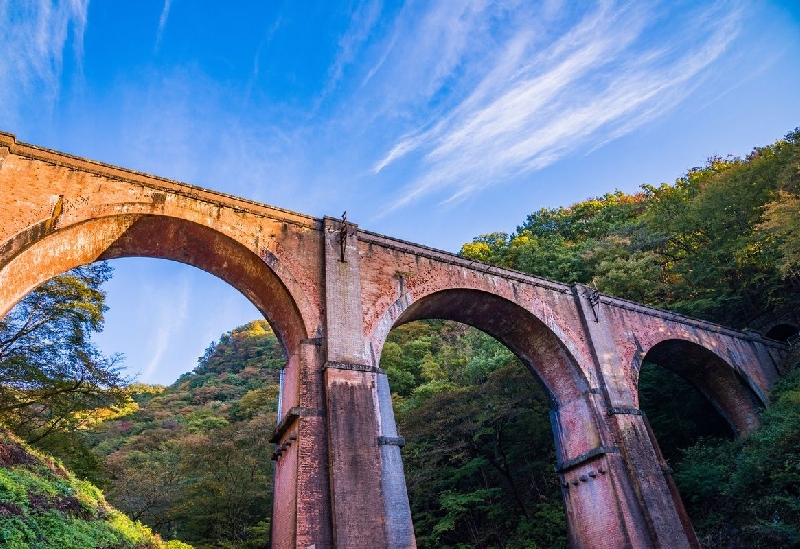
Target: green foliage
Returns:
[[44, 506], [746, 493], [721, 262], [782, 222], [562, 243], [249, 347], [193, 460], [52, 378]]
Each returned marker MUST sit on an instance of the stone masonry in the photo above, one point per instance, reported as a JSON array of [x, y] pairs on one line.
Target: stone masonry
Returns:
[[332, 292]]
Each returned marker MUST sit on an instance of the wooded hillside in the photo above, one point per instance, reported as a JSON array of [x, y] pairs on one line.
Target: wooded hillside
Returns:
[[43, 505], [194, 460]]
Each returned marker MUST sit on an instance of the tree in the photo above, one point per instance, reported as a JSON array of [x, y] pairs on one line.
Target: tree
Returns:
[[782, 220], [193, 459], [479, 460], [51, 375]]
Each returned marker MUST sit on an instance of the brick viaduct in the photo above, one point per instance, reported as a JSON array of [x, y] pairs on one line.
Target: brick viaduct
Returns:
[[332, 292]]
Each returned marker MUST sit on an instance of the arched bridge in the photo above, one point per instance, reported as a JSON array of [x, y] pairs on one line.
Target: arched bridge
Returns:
[[332, 292]]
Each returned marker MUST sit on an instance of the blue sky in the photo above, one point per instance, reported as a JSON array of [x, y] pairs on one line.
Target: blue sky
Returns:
[[429, 121]]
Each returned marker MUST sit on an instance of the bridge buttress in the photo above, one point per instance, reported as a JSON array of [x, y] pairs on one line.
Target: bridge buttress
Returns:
[[368, 493], [301, 508], [667, 523], [601, 507]]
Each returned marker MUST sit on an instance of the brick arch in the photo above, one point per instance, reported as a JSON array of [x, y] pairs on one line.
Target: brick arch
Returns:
[[713, 376], [539, 348], [42, 253], [782, 331]]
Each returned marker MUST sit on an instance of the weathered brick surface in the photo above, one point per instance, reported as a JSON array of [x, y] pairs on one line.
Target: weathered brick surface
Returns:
[[285, 504], [335, 485], [579, 427], [301, 508], [314, 522], [358, 507], [662, 513], [602, 510]]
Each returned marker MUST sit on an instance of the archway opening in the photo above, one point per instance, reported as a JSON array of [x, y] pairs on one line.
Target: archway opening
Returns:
[[480, 454], [157, 449], [678, 413], [782, 332], [162, 316], [723, 388], [696, 405]]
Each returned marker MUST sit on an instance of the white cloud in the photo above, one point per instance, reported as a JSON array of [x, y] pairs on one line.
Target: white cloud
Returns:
[[363, 20], [453, 98], [173, 304], [162, 22], [542, 97], [33, 36]]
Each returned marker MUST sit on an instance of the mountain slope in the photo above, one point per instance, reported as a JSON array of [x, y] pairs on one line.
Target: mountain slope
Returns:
[[193, 462], [44, 506]]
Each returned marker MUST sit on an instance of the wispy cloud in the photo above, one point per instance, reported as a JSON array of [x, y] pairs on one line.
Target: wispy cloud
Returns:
[[435, 100], [542, 97], [162, 23], [363, 20], [33, 36], [172, 314]]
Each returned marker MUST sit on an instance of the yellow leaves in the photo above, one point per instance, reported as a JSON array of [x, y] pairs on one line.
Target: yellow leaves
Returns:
[[257, 400], [521, 240], [477, 250], [89, 419], [782, 220], [257, 328]]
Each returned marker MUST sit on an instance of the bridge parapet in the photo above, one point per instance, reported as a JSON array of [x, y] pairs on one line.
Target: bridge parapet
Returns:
[[450, 258], [83, 166], [689, 321]]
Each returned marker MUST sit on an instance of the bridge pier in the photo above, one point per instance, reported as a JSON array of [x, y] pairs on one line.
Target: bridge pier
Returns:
[[368, 491], [601, 505], [301, 511], [655, 516]]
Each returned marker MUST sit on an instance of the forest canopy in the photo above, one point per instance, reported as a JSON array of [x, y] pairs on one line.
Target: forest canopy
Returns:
[[719, 244]]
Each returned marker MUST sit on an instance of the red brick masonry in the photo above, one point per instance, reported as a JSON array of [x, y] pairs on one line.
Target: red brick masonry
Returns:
[[332, 292]]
